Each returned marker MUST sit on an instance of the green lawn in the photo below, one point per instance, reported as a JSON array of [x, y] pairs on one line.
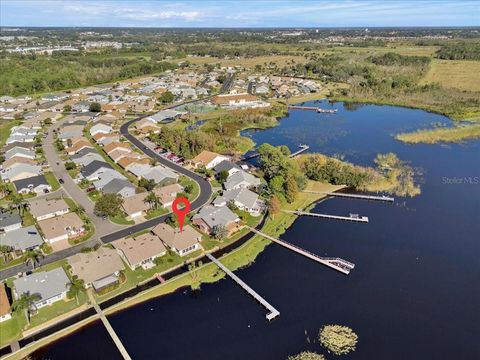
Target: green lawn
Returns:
[[153, 213], [59, 308], [5, 127], [27, 218], [52, 180], [184, 181], [121, 219], [12, 329]]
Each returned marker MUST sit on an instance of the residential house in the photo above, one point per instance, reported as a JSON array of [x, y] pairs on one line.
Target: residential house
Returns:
[[95, 169], [100, 128], [242, 100], [79, 145], [243, 199], [51, 286], [140, 251], [22, 171], [24, 145], [241, 179], [20, 152], [210, 216], [15, 161], [117, 146], [227, 166], [129, 160], [119, 186], [9, 221], [5, 309], [35, 184], [161, 175], [166, 194], [22, 239], [70, 131], [98, 269], [135, 206], [86, 156], [208, 159], [63, 227], [181, 242], [42, 208]]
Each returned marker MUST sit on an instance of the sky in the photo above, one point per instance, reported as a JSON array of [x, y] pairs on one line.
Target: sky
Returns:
[[246, 13]]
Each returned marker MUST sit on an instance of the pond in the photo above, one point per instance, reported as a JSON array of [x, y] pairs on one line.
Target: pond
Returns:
[[413, 294]]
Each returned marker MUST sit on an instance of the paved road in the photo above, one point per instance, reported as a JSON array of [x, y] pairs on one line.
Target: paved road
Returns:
[[102, 226], [104, 229]]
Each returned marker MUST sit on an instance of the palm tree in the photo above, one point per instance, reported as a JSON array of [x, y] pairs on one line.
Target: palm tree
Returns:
[[32, 256], [152, 200], [76, 287], [6, 252], [26, 302]]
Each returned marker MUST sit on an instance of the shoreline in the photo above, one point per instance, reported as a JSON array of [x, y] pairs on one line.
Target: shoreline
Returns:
[[208, 273]]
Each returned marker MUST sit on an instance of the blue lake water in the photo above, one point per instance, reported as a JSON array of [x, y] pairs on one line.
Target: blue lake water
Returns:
[[415, 290]]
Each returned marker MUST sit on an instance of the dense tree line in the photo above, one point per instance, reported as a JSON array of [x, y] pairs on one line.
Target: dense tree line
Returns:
[[392, 58], [459, 51], [32, 74]]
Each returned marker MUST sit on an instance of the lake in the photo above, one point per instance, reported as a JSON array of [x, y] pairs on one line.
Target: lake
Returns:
[[414, 292]]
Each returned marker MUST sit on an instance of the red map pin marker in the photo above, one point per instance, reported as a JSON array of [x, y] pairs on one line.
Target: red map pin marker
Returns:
[[181, 212]]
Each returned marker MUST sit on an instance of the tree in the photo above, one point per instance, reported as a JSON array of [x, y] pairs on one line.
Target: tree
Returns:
[[32, 256], [70, 165], [47, 121], [76, 287], [166, 98], [219, 232], [26, 302], [152, 200], [222, 176], [338, 339], [188, 188], [67, 109], [108, 205], [148, 185], [291, 189], [273, 206], [95, 107], [193, 271], [276, 184], [307, 355], [6, 252]]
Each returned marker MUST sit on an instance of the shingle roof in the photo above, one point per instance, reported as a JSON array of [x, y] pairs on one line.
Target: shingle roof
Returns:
[[116, 185], [213, 216], [7, 219], [34, 181], [22, 239], [47, 284], [94, 166]]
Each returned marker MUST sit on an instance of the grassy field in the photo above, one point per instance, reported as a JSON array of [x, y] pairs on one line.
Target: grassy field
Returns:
[[5, 126], [463, 75], [432, 136]]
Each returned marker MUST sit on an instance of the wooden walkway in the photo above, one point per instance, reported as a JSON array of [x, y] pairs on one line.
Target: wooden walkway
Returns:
[[353, 218], [363, 197], [298, 152], [110, 330], [335, 263], [313, 108], [272, 312]]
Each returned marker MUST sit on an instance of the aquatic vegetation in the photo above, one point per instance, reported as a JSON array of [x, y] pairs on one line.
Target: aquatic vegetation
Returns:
[[338, 339]]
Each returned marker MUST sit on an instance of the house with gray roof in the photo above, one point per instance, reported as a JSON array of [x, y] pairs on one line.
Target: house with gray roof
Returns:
[[10, 222], [106, 177], [19, 144], [36, 184], [21, 171], [161, 175], [51, 286], [95, 169], [210, 216], [22, 239], [89, 155], [119, 186], [20, 151], [241, 179], [243, 199], [227, 166]]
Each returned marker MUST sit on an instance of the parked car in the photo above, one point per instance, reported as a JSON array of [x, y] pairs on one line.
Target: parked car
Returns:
[[61, 181]]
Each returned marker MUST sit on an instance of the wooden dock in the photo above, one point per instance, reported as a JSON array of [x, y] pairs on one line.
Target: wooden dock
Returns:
[[110, 330], [335, 263], [302, 148], [313, 108], [272, 312], [359, 196], [353, 218]]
